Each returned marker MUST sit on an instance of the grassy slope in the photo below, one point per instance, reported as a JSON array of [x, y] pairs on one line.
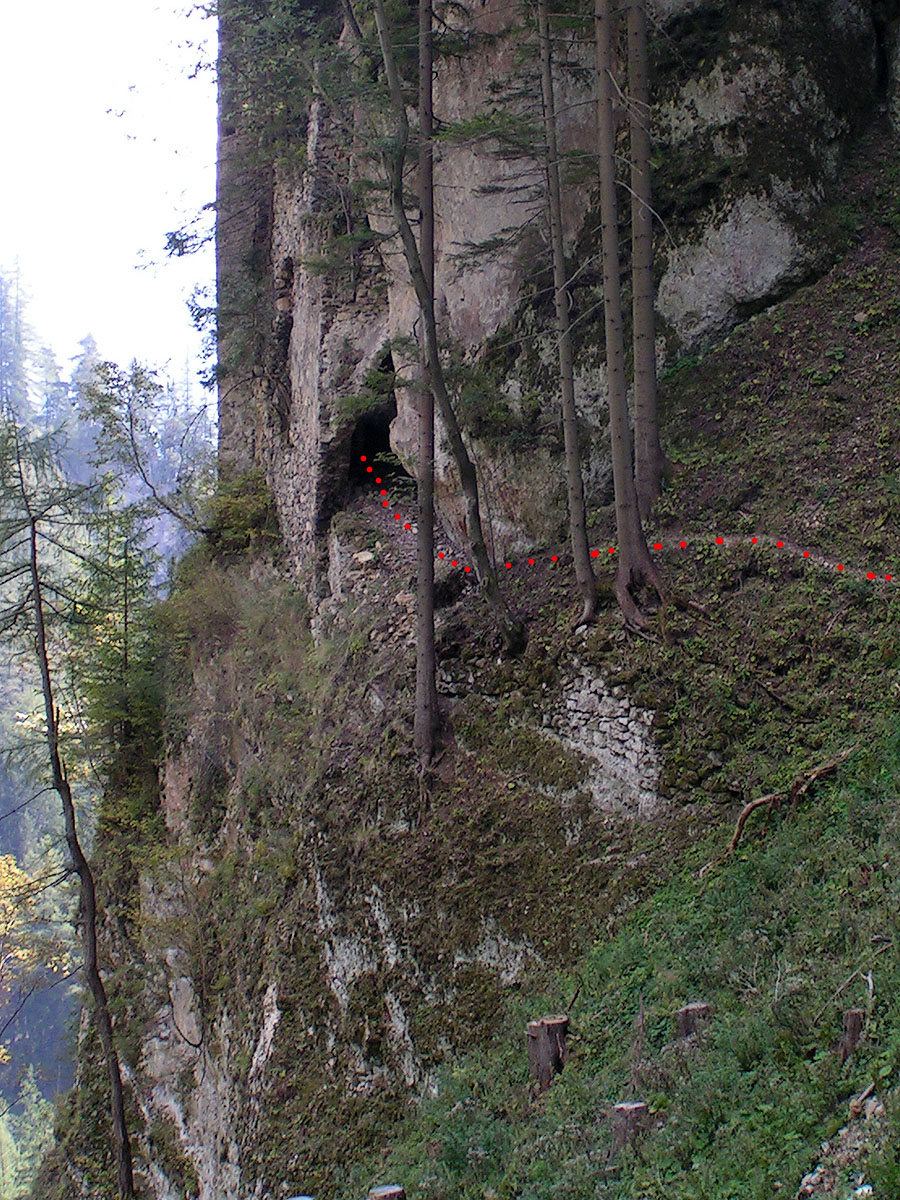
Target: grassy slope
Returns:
[[787, 428]]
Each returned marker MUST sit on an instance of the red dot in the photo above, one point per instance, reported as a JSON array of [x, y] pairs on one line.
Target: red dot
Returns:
[[377, 480], [383, 490], [369, 469], [870, 575], [779, 545], [454, 563], [467, 569], [396, 516], [509, 566], [657, 545], [683, 545], [754, 540], [531, 562], [553, 558], [362, 458], [720, 541], [440, 554], [384, 504], [612, 549], [595, 554], [840, 566], [888, 578], [407, 525]]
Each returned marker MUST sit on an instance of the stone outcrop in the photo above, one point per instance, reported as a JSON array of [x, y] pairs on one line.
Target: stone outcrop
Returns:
[[754, 105]]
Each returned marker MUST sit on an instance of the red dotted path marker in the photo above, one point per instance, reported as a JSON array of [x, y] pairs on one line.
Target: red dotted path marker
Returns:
[[682, 544]]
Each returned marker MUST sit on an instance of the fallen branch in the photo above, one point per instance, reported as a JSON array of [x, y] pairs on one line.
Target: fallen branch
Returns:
[[773, 800]]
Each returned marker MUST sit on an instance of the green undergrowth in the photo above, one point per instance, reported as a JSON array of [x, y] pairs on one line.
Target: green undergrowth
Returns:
[[799, 925]]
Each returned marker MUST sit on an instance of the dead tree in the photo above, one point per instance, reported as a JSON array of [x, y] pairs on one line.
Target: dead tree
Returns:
[[851, 1032], [693, 1019], [628, 1120], [547, 1048]]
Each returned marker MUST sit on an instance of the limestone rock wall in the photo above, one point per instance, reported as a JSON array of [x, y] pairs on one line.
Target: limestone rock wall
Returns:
[[754, 106]]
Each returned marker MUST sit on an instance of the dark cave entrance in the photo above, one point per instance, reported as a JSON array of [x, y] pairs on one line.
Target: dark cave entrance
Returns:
[[365, 442], [370, 442], [886, 23], [371, 438]]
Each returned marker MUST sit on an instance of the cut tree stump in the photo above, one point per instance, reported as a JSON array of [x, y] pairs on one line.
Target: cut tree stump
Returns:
[[852, 1032], [547, 1049], [389, 1191], [628, 1120], [693, 1018]]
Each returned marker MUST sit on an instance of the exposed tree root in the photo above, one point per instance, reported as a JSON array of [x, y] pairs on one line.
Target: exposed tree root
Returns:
[[774, 800]]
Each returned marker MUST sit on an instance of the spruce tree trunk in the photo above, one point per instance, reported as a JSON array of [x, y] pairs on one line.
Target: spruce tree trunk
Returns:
[[512, 630], [427, 717], [648, 458], [634, 563], [584, 574], [88, 893]]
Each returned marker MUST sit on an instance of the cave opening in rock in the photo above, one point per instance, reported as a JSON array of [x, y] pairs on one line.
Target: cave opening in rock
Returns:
[[371, 438], [371, 441], [885, 19]]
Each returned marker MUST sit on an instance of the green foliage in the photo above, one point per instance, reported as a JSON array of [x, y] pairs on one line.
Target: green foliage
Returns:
[[486, 412], [769, 939], [243, 516], [378, 389], [26, 1132], [157, 452]]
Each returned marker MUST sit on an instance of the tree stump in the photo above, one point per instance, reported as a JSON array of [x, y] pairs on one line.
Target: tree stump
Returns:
[[547, 1050], [389, 1191], [628, 1120], [693, 1018], [852, 1032]]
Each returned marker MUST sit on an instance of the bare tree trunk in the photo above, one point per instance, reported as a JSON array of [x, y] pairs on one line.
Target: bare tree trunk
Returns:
[[635, 565], [648, 457], [584, 574], [88, 894], [427, 717], [512, 629]]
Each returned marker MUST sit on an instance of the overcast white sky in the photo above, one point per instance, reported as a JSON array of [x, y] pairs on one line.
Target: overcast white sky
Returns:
[[106, 144]]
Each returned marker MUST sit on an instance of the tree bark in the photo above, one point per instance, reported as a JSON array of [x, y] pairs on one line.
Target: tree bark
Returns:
[[851, 1032], [648, 457], [88, 893], [512, 630], [634, 563], [547, 1049], [628, 1120], [693, 1018], [584, 574], [427, 716]]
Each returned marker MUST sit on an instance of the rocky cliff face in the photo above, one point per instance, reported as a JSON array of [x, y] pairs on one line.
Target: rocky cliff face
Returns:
[[754, 106], [326, 928]]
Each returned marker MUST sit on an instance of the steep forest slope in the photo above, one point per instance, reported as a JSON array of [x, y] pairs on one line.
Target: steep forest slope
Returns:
[[324, 962]]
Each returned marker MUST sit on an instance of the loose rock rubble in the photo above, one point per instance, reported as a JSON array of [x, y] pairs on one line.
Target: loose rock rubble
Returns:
[[837, 1175]]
